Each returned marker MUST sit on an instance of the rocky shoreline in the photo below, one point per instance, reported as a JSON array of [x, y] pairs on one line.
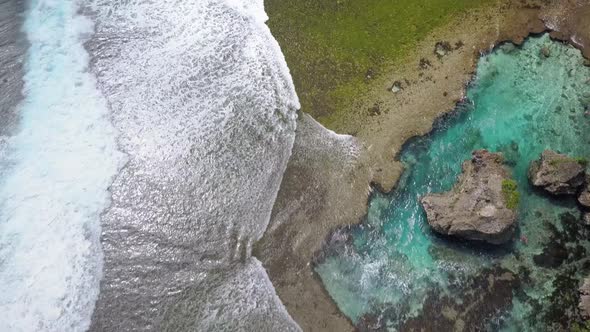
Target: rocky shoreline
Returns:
[[326, 187]]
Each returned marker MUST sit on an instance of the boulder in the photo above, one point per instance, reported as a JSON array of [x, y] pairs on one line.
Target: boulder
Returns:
[[442, 48], [481, 206], [558, 174]]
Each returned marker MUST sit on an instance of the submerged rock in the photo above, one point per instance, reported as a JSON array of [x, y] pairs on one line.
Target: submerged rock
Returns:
[[557, 173], [546, 51], [482, 204], [553, 255], [584, 304], [474, 303], [584, 198]]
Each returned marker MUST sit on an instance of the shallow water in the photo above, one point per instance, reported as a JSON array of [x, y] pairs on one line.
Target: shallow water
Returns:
[[394, 272]]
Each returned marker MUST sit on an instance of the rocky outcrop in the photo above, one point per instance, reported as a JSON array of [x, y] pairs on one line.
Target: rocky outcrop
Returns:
[[558, 174], [584, 304], [482, 204]]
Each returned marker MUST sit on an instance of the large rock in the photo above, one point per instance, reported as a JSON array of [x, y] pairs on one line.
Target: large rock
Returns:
[[557, 173], [482, 204]]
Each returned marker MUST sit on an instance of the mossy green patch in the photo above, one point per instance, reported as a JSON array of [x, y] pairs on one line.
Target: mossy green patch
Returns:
[[510, 192], [336, 48], [581, 327], [580, 160]]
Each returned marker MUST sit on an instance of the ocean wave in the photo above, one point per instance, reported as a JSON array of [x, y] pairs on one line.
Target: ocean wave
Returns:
[[55, 174], [206, 108]]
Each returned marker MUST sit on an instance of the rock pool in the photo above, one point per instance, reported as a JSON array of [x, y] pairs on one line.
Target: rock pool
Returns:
[[392, 272]]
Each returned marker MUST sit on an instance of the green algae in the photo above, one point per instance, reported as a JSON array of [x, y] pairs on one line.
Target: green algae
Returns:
[[336, 48], [520, 103], [510, 193]]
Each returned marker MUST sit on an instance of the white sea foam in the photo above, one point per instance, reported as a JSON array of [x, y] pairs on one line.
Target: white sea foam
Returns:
[[206, 108], [54, 183]]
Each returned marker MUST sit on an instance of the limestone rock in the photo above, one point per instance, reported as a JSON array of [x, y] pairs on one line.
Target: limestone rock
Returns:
[[442, 48], [557, 173], [477, 207]]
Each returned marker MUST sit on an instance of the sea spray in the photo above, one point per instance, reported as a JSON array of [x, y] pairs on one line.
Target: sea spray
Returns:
[[55, 180]]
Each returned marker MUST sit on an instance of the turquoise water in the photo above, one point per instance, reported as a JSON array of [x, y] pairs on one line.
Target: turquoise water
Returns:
[[519, 103]]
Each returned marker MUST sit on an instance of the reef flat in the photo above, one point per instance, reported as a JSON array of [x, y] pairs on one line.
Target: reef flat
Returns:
[[337, 49], [402, 102]]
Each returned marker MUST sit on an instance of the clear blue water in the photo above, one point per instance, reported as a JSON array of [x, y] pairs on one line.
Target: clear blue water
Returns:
[[519, 103]]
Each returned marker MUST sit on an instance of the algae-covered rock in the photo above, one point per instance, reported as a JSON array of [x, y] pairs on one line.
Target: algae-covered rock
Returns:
[[558, 174], [482, 204]]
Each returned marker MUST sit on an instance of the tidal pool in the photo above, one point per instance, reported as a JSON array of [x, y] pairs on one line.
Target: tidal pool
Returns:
[[393, 273]]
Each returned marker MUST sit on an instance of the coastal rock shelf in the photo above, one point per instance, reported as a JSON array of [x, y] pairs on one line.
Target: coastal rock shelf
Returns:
[[394, 272]]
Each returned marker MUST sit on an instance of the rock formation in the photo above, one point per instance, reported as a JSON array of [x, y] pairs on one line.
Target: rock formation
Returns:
[[482, 204], [557, 173]]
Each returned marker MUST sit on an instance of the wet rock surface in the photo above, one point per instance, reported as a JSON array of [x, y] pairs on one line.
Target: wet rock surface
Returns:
[[584, 197], [585, 299], [477, 207], [557, 173]]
